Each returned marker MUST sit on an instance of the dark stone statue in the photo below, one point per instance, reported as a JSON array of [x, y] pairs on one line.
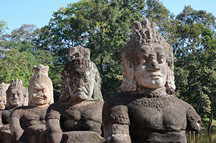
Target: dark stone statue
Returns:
[[77, 116], [28, 122], [146, 110]]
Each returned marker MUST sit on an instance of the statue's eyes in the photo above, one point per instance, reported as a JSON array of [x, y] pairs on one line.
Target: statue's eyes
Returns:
[[151, 57], [76, 55], [144, 59], [37, 89], [161, 59]]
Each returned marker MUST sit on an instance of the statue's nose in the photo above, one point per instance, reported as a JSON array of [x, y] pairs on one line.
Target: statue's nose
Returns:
[[15, 96], [154, 66]]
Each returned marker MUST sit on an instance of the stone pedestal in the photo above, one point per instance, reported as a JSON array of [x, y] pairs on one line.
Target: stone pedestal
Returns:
[[82, 137]]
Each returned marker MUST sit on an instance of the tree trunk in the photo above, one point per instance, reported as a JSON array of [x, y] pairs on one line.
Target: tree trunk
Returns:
[[210, 123]]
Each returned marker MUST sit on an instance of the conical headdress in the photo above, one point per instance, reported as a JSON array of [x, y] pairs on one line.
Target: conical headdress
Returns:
[[144, 37]]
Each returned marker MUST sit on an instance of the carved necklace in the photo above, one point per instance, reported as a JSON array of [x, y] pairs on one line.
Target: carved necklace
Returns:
[[152, 93]]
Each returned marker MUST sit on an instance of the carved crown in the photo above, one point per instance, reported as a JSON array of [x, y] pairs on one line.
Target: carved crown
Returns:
[[41, 69]]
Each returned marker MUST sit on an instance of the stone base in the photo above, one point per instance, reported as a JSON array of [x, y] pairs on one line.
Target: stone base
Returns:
[[82, 137], [5, 137]]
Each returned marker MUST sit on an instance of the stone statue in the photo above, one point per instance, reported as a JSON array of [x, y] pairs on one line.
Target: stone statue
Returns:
[[5, 133], [77, 116], [3, 95], [28, 123], [146, 110], [16, 95]]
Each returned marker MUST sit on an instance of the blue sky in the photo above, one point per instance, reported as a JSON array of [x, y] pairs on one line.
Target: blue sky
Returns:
[[176, 6], [38, 12]]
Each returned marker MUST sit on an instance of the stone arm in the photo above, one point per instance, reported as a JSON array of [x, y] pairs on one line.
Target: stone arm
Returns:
[[55, 132], [5, 128], [15, 126], [53, 124], [193, 120], [4, 121], [1, 122], [116, 124]]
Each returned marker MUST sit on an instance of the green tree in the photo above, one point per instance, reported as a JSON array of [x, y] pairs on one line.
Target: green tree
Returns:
[[2, 27], [19, 64], [195, 46], [21, 55], [102, 26]]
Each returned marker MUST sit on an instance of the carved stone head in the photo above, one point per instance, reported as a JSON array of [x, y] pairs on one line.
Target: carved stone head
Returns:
[[40, 87], [15, 94], [81, 77], [3, 89], [147, 60]]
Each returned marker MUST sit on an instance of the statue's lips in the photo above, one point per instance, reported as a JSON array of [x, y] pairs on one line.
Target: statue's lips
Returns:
[[14, 100], [155, 76], [41, 98]]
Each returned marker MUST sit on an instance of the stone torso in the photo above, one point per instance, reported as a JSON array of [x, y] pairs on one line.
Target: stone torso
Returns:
[[31, 118], [5, 120], [5, 133], [85, 116], [156, 116], [155, 119]]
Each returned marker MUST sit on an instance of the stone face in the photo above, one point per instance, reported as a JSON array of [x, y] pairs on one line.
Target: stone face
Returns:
[[28, 122], [146, 109], [40, 87], [16, 95], [81, 77], [79, 110]]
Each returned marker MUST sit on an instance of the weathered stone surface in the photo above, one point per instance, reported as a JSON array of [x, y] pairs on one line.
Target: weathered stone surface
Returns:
[[80, 107], [40, 84], [146, 110], [82, 137], [28, 123], [3, 95], [81, 77], [5, 134], [16, 95]]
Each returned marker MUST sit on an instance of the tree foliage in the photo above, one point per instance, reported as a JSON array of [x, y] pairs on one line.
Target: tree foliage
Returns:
[[102, 26], [195, 47], [21, 55]]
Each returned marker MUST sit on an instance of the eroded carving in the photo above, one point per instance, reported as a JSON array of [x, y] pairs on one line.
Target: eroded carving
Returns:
[[5, 133], [79, 110], [16, 96], [146, 110]]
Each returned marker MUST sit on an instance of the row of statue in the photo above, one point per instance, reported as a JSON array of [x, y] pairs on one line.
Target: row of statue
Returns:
[[145, 110]]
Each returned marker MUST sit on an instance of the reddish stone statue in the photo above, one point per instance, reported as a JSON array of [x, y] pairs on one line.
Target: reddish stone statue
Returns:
[[28, 123]]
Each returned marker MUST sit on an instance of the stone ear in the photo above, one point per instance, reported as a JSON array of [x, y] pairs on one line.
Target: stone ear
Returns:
[[128, 83], [170, 83]]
